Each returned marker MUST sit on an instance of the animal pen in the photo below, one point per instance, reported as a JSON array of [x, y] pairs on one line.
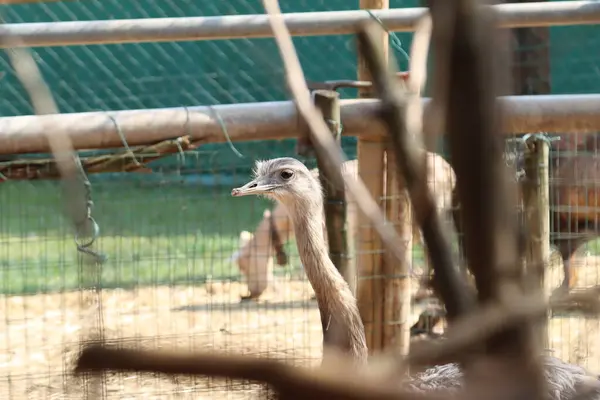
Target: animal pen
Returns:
[[163, 268]]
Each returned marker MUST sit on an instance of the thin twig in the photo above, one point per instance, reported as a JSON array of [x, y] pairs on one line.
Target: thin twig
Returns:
[[60, 144], [419, 51], [398, 109], [74, 181], [320, 131]]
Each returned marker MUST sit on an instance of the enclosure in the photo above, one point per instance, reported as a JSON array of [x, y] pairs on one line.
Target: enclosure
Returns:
[[170, 105]]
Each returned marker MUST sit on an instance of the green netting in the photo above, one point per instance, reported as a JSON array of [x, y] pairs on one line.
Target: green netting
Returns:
[[155, 75]]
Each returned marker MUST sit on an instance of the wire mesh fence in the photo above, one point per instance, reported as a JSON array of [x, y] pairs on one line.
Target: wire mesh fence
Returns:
[[168, 280], [173, 235], [152, 75]]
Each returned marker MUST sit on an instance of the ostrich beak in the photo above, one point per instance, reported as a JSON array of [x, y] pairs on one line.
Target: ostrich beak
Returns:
[[253, 187]]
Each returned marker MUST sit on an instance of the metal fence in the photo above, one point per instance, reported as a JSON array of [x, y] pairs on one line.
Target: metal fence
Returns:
[[170, 232]]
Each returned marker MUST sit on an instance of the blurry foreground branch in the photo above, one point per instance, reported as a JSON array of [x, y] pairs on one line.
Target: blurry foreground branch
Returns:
[[471, 70], [290, 382], [401, 112], [339, 379], [43, 103]]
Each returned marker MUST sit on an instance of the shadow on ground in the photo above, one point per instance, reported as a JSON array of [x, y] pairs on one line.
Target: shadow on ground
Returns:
[[247, 306]]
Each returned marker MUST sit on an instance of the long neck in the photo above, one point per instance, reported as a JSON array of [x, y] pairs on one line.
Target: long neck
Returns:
[[336, 302]]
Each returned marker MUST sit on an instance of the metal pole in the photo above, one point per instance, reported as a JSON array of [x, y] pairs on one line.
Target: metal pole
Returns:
[[257, 25], [268, 120]]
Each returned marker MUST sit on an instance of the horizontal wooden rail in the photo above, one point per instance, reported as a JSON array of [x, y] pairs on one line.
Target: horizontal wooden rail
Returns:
[[268, 120], [37, 34]]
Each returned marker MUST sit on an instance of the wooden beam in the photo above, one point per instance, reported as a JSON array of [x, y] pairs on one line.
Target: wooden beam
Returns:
[[371, 154], [327, 101], [569, 113], [536, 199]]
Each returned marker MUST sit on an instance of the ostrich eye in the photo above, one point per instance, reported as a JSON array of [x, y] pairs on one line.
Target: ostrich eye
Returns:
[[286, 174]]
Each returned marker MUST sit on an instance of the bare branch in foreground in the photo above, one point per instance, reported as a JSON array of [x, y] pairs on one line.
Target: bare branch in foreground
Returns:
[[320, 132], [402, 113], [338, 381], [337, 377], [491, 237]]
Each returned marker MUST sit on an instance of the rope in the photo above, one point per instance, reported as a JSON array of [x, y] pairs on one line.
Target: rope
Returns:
[[541, 136], [394, 39], [225, 132], [180, 152], [187, 130], [124, 141], [339, 125]]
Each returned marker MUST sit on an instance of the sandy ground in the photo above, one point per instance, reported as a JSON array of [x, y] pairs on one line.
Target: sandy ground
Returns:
[[574, 338], [39, 336]]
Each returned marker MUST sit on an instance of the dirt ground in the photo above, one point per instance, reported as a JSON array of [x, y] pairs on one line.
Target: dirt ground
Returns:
[[573, 338], [39, 336]]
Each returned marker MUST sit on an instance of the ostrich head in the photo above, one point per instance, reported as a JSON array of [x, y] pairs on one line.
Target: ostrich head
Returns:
[[286, 180]]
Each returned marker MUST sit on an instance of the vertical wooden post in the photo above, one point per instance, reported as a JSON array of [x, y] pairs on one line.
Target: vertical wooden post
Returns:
[[370, 156], [397, 291], [328, 101], [536, 198]]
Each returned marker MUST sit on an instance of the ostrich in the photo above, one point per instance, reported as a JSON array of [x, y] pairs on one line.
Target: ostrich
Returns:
[[563, 380], [254, 256], [289, 182]]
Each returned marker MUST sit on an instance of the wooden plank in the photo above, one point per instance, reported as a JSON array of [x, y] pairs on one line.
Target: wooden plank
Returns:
[[536, 199], [370, 155], [327, 101], [397, 286]]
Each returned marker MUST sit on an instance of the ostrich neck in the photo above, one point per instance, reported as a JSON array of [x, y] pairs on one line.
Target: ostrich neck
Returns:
[[312, 248], [336, 301]]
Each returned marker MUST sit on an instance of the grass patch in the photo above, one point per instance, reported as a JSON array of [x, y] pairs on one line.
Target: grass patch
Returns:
[[159, 234], [165, 234]]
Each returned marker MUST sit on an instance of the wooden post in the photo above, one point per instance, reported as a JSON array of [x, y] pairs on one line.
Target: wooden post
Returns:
[[397, 290], [371, 153], [536, 199], [334, 192]]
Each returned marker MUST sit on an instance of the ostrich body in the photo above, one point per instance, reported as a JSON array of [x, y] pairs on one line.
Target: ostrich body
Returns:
[[563, 380], [289, 182]]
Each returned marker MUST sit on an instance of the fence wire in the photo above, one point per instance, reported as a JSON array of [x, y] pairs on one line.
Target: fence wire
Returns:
[[173, 234]]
